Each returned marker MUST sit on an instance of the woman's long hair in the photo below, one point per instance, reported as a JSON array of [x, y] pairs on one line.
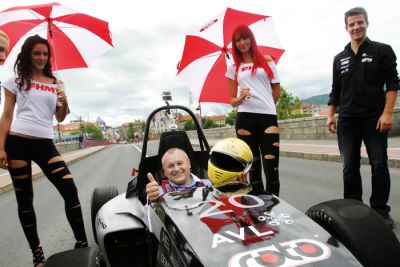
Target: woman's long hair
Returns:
[[23, 64], [242, 31]]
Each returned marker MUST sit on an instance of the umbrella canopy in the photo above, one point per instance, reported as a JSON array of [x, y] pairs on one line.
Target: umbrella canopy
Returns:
[[206, 54], [76, 39]]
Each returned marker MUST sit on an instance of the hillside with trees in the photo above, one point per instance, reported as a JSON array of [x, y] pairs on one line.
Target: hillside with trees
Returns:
[[317, 100]]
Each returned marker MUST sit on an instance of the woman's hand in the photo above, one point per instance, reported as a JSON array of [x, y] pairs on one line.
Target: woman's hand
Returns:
[[62, 104], [3, 159], [244, 93], [62, 97]]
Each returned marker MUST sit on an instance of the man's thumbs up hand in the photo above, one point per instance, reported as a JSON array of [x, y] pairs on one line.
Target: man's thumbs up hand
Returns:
[[152, 189]]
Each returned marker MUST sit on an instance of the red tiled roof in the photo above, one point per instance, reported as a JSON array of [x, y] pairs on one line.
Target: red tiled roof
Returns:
[[217, 117], [69, 126], [184, 118]]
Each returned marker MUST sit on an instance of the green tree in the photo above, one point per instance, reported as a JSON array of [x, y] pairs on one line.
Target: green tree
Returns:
[[189, 125], [75, 132], [209, 124], [93, 131], [231, 118], [286, 106], [131, 131]]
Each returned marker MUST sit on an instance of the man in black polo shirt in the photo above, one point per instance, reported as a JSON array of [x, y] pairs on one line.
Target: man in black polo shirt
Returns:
[[364, 87]]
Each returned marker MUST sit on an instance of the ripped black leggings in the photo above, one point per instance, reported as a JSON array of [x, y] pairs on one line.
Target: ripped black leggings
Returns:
[[261, 133], [21, 152]]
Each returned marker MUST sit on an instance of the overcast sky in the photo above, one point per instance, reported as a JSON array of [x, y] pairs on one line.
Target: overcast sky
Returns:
[[126, 83]]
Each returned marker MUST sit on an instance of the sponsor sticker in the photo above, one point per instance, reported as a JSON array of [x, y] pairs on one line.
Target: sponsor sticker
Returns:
[[208, 25], [290, 253], [366, 59]]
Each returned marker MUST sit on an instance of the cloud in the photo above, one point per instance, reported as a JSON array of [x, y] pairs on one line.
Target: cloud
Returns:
[[120, 86]]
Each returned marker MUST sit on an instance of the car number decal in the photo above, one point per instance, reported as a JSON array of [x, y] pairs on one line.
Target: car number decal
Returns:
[[244, 212], [232, 200]]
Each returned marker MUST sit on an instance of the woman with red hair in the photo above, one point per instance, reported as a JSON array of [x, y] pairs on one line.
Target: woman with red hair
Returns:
[[258, 81]]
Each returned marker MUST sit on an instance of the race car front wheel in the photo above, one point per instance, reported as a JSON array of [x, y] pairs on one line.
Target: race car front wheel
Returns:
[[360, 229], [100, 196]]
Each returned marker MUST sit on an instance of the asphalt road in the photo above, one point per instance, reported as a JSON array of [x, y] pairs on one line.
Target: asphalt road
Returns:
[[111, 166], [303, 184]]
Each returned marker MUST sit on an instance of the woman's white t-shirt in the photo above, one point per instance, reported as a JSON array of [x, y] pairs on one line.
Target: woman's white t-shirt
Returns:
[[261, 99], [35, 108]]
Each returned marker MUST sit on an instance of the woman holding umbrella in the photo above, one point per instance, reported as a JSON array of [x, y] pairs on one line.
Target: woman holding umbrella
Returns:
[[39, 96], [256, 122]]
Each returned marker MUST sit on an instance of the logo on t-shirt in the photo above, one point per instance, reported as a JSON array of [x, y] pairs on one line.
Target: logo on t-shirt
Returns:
[[344, 65], [366, 58], [43, 87], [246, 68]]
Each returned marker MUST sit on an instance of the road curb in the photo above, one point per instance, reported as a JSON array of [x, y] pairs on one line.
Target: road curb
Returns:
[[39, 174], [392, 163], [310, 156]]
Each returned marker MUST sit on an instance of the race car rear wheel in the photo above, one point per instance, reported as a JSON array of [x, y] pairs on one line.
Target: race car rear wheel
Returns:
[[82, 257], [100, 196], [360, 229]]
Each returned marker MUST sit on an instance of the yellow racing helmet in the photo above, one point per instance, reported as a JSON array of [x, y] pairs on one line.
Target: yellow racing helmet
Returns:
[[228, 158]]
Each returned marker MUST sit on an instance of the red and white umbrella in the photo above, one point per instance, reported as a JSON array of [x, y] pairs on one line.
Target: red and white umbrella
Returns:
[[206, 54], [76, 38]]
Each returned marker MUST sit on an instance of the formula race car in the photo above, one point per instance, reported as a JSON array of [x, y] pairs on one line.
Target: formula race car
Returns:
[[208, 226]]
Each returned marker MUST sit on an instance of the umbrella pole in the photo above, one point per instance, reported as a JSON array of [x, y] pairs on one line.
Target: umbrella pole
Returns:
[[59, 132], [50, 32], [201, 118]]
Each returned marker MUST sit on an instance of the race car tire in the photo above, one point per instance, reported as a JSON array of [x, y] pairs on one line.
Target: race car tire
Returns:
[[82, 257], [100, 196], [360, 229]]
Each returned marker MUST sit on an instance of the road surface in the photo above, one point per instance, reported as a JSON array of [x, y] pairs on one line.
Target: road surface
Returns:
[[303, 184]]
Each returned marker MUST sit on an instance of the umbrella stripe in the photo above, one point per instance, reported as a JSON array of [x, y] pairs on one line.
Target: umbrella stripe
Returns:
[[275, 53], [271, 37], [216, 89], [42, 7], [76, 35], [194, 75], [61, 43], [199, 47], [16, 30], [13, 52], [97, 26], [212, 31], [60, 10], [76, 38], [231, 19], [64, 36], [6, 17]]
